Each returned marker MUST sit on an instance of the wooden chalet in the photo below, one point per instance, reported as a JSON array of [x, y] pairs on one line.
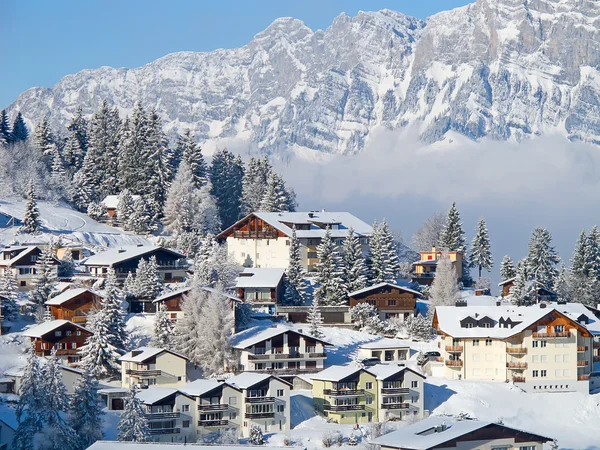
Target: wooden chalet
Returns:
[[74, 304], [389, 299], [64, 336], [263, 287], [542, 292]]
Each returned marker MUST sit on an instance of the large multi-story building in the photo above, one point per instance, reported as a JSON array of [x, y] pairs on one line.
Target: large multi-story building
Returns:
[[262, 239], [541, 348], [351, 394], [150, 366], [424, 270]]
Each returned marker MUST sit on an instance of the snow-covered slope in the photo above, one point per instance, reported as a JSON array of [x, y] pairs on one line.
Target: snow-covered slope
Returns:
[[508, 69]]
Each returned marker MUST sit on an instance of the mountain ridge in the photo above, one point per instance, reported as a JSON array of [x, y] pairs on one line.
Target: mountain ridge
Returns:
[[504, 69]]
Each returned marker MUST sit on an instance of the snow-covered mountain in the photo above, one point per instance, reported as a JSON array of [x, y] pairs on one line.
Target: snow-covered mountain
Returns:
[[507, 69]]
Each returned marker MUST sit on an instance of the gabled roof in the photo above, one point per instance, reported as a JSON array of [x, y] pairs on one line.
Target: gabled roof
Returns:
[[337, 373], [423, 435], [384, 371], [26, 251], [125, 253], [246, 380], [278, 220], [146, 353], [69, 295], [385, 343], [156, 394], [254, 335], [47, 327], [509, 280], [380, 285], [200, 387], [169, 295], [260, 278]]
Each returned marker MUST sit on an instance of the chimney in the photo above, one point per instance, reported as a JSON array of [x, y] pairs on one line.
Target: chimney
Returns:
[[323, 210], [498, 303], [136, 352], [311, 215], [121, 250], [139, 245], [433, 249], [542, 305]]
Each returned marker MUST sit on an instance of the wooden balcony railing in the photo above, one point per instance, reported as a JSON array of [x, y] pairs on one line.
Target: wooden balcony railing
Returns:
[[262, 415], [157, 431], [582, 348], [516, 365], [583, 377], [337, 408], [79, 319], [343, 392], [391, 391], [213, 423], [548, 335], [518, 379], [395, 405], [454, 348], [144, 373], [582, 363], [516, 350], [260, 399], [255, 235], [454, 363], [213, 408]]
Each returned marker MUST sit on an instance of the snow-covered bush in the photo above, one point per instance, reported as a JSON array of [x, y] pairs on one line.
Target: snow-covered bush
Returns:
[[352, 440], [256, 435], [366, 318], [96, 211]]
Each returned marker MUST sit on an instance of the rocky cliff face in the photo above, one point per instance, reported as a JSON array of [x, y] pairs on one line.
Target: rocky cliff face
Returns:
[[508, 69]]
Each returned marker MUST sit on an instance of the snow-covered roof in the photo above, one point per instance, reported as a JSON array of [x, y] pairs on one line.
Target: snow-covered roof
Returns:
[[44, 328], [246, 380], [112, 201], [146, 353], [337, 373], [380, 285], [423, 435], [384, 343], [171, 294], [125, 253], [154, 394], [125, 445], [68, 295], [254, 335], [24, 252], [260, 277], [8, 416], [200, 387], [575, 310], [449, 318], [384, 371], [509, 280]]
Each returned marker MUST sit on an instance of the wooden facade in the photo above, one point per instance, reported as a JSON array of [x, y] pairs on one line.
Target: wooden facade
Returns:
[[390, 300], [251, 227], [67, 339], [77, 308]]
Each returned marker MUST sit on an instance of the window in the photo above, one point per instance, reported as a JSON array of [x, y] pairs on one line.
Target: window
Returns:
[[280, 408], [488, 342], [368, 385], [280, 393], [78, 333], [536, 344], [543, 344], [414, 399], [476, 372], [543, 373], [311, 254], [527, 447], [185, 424], [372, 302], [185, 408], [58, 333], [73, 345], [391, 302], [566, 373], [559, 328], [287, 242], [23, 283], [232, 415], [476, 357], [68, 333], [565, 358], [178, 378], [557, 358], [233, 400], [414, 384], [34, 258], [470, 325], [544, 358], [475, 341], [369, 400], [557, 373], [535, 358], [536, 373], [487, 325]]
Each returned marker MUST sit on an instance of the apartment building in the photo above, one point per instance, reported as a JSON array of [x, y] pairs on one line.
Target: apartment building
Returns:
[[540, 347], [351, 394], [150, 366], [262, 239], [279, 350], [169, 413]]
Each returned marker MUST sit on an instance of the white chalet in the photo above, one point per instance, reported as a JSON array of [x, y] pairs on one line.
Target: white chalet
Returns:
[[150, 366]]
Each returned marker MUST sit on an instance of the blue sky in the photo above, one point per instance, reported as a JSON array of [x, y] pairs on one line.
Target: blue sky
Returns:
[[46, 40]]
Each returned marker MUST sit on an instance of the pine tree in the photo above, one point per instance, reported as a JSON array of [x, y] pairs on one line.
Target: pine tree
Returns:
[[98, 356], [192, 156], [85, 412], [96, 211], [295, 285], [55, 392], [254, 184], [542, 257], [140, 220], [256, 435], [444, 289], [5, 133], [163, 328], [521, 290], [315, 319], [31, 217], [592, 254], [43, 138], [481, 256], [226, 173], [8, 295], [132, 150], [276, 197], [203, 266], [579, 260], [114, 315], [78, 127], [154, 279], [383, 258], [133, 425], [187, 328], [156, 176], [329, 288], [44, 281], [125, 207], [507, 269], [353, 264], [19, 129], [562, 285]]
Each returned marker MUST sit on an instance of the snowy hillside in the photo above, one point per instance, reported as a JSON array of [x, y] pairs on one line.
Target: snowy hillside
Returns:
[[507, 69], [61, 220]]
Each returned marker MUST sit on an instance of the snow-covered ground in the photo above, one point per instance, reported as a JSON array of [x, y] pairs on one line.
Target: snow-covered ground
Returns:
[[60, 219]]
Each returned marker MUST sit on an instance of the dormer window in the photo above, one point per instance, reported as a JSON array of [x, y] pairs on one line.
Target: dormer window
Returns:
[[469, 325]]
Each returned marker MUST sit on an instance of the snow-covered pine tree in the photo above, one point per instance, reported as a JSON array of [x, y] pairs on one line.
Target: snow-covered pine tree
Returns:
[[329, 289], [31, 216], [428, 235], [73, 155], [187, 328], [562, 285], [20, 132], [132, 151], [579, 259], [520, 290], [157, 166], [481, 255], [96, 211], [125, 207], [225, 269], [98, 356], [542, 257], [163, 328], [214, 333], [67, 265], [315, 319], [444, 289], [192, 156], [5, 133], [154, 279], [295, 284], [85, 412], [112, 305], [384, 265], [44, 281], [140, 220], [8, 295], [507, 268], [47, 317], [204, 274], [78, 129], [55, 392], [256, 435], [226, 173], [592, 253], [43, 139], [254, 184], [276, 197], [354, 269], [133, 424]]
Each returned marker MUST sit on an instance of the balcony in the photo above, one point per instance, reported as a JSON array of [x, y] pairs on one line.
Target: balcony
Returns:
[[260, 399], [213, 423], [291, 355], [68, 352], [391, 391], [144, 373], [343, 392], [262, 415], [596, 344], [339, 408], [255, 235], [518, 379], [583, 377], [259, 357], [212, 408], [395, 405], [454, 348], [454, 363], [582, 348], [164, 431], [516, 350], [548, 335], [162, 416], [287, 371], [429, 275], [582, 363], [516, 365], [79, 319]]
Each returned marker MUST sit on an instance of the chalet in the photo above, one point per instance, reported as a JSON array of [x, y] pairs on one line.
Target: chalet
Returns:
[[542, 292], [332, 315], [172, 265], [20, 261], [447, 433], [278, 350], [149, 366], [264, 287], [424, 269], [540, 348], [391, 301], [262, 239], [111, 202], [64, 336], [386, 350], [74, 304], [169, 413]]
